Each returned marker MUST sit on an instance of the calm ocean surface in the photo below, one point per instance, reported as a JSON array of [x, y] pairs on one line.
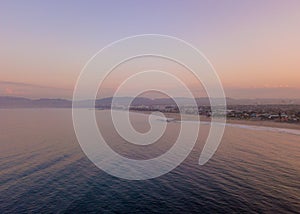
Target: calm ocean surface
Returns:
[[43, 170]]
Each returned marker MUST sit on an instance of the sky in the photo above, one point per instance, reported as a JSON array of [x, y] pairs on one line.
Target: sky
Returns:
[[253, 45]]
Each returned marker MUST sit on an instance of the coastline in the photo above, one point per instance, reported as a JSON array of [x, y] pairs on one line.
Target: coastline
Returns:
[[265, 123]]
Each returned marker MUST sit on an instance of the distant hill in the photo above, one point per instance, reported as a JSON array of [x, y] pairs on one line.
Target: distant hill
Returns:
[[20, 102]]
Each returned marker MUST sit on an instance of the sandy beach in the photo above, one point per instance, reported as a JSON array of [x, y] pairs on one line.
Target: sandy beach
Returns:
[[250, 122]]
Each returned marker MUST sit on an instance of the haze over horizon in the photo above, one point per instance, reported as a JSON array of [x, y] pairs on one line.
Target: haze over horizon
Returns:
[[253, 45]]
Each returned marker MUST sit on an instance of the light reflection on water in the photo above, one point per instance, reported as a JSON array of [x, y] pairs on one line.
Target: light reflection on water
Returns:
[[44, 170]]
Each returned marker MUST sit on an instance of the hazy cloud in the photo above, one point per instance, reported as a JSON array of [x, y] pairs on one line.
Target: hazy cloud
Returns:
[[8, 88]]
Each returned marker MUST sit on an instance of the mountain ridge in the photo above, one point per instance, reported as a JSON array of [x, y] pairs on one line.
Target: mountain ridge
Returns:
[[22, 102]]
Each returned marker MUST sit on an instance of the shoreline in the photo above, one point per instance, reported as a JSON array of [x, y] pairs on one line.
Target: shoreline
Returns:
[[265, 123]]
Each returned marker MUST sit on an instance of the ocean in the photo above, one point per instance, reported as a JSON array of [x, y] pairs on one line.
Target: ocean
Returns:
[[43, 170]]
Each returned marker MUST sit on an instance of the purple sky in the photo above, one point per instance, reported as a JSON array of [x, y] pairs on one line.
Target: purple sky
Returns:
[[253, 45]]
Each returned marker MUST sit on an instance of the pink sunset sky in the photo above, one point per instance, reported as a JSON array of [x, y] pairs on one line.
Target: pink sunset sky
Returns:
[[253, 45]]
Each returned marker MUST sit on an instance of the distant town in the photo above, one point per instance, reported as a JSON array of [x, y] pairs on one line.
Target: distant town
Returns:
[[279, 113]]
